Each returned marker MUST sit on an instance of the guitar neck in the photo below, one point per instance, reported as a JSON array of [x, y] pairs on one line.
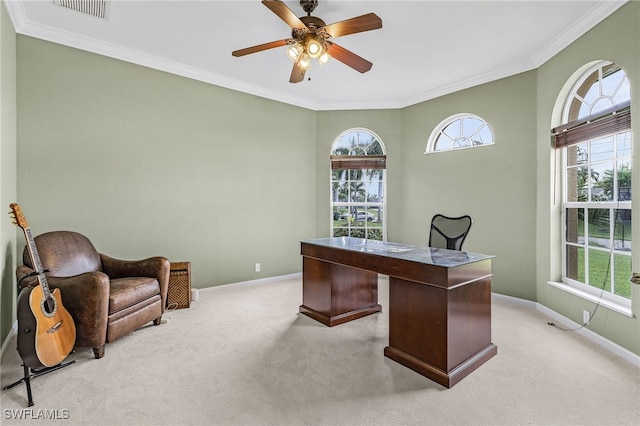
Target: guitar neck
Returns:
[[35, 260]]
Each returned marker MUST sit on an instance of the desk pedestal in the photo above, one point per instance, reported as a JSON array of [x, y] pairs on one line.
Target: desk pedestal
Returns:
[[443, 334], [334, 294]]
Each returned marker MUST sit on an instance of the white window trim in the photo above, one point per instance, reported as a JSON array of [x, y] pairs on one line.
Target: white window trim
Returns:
[[382, 204], [578, 84], [613, 301], [433, 137], [607, 300]]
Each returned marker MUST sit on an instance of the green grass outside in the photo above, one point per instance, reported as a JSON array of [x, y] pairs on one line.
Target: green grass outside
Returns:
[[601, 230], [359, 229], [599, 273]]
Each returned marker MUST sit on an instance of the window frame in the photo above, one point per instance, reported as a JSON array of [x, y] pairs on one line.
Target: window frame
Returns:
[[439, 129], [594, 289], [358, 161], [594, 126]]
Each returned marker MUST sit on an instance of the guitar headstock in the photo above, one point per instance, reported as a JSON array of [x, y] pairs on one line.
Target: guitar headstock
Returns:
[[17, 216]]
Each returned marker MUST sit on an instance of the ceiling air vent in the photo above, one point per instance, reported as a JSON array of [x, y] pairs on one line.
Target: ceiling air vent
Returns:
[[97, 8]]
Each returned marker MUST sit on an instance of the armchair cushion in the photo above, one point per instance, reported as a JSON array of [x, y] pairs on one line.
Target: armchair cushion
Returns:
[[126, 292], [155, 267]]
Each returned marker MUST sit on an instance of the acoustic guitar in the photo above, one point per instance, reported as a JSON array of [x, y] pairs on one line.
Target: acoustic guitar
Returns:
[[46, 331]]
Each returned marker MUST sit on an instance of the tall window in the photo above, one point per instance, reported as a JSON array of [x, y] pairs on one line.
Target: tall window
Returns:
[[596, 141], [460, 131], [358, 183]]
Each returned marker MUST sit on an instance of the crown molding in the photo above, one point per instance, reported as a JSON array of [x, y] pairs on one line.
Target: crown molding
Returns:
[[586, 22], [476, 80], [596, 15], [16, 12], [23, 26]]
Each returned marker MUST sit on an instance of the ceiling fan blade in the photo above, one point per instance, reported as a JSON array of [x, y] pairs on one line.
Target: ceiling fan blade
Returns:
[[259, 48], [297, 74], [359, 24], [281, 9], [348, 58]]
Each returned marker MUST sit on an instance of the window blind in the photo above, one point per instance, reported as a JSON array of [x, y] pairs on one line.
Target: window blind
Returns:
[[358, 162], [613, 120]]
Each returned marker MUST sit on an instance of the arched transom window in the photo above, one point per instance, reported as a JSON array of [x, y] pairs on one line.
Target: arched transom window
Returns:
[[460, 131], [603, 86], [358, 184]]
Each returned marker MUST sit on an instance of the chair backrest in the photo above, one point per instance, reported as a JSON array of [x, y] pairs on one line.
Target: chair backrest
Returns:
[[65, 254], [449, 232]]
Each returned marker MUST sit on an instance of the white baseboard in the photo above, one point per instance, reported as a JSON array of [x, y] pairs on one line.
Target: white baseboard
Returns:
[[252, 282], [594, 337], [516, 300]]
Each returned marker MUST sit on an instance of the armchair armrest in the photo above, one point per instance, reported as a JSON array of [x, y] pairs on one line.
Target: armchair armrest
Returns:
[[24, 280], [86, 297], [157, 267]]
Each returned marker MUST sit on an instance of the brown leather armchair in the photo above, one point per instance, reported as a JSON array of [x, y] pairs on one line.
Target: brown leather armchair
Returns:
[[106, 297]]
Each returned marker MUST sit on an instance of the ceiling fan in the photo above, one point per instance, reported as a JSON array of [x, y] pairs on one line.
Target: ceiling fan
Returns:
[[310, 38]]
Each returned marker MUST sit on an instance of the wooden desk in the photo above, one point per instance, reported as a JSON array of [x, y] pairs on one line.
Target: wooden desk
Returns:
[[439, 300]]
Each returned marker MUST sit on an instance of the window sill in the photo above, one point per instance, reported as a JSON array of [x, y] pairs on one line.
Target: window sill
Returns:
[[428, 152], [616, 307]]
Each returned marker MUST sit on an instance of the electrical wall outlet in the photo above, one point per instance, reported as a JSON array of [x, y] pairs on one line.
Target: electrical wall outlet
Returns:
[[586, 317], [257, 267]]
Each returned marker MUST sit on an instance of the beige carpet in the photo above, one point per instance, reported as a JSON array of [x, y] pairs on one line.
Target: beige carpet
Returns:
[[242, 355]]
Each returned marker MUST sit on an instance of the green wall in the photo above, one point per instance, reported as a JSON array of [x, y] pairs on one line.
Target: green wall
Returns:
[[494, 184], [7, 171], [384, 123], [148, 163], [616, 39]]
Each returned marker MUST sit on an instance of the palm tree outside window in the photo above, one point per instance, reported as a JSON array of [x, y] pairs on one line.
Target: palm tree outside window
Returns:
[[358, 184]]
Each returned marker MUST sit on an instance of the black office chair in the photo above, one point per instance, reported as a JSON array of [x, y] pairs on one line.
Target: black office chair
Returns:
[[449, 232]]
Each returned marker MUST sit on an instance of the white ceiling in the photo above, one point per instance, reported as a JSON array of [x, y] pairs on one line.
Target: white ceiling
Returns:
[[425, 49]]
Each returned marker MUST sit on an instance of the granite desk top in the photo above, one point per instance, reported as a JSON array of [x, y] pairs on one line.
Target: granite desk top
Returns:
[[421, 254]]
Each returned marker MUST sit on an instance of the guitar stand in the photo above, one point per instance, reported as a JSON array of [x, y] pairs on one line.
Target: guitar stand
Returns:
[[31, 373]]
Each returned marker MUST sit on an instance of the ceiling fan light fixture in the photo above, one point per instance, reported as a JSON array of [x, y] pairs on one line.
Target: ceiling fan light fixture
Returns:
[[310, 38], [324, 58], [304, 61], [314, 48], [294, 52]]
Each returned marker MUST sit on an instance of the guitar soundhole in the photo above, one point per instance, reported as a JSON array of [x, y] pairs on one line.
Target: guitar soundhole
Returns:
[[49, 306]]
